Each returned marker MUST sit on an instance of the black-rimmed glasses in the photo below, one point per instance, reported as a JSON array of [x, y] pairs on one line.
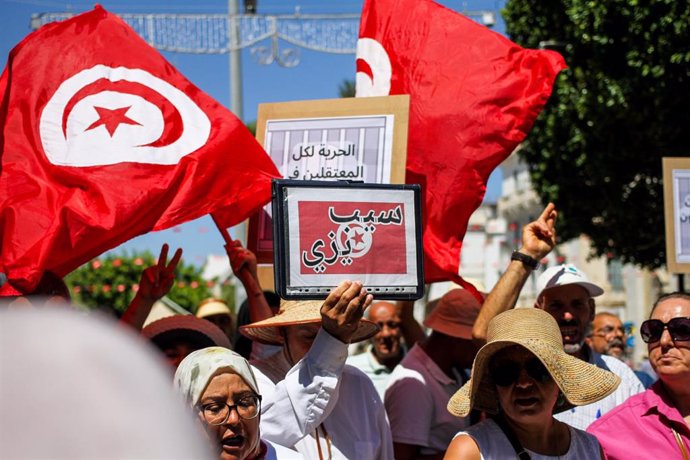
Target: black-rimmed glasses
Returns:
[[217, 413], [652, 329]]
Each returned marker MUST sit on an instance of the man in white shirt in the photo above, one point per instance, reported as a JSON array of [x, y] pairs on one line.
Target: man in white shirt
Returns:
[[343, 417], [431, 372], [385, 350], [565, 293]]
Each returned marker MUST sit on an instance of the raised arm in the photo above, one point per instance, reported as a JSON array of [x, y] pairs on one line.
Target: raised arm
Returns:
[[538, 239], [243, 263], [156, 281], [295, 406]]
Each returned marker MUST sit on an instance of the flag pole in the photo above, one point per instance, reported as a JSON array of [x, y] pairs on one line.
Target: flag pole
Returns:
[[223, 231]]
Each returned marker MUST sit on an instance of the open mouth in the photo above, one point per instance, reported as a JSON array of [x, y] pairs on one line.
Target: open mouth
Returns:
[[569, 333], [526, 402], [232, 442]]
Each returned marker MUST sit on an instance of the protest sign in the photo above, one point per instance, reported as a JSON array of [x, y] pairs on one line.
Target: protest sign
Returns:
[[677, 213]]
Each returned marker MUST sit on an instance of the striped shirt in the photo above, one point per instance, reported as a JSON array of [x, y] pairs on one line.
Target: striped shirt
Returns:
[[582, 416]]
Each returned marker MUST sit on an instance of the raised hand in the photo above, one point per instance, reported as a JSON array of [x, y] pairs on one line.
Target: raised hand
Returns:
[[539, 237], [241, 259], [157, 280], [343, 308]]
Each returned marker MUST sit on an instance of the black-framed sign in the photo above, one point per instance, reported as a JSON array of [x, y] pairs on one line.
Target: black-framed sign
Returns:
[[326, 232]]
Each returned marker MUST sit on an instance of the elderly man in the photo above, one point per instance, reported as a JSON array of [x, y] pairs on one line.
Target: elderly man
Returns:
[[426, 378], [607, 335], [656, 423], [395, 322], [565, 293]]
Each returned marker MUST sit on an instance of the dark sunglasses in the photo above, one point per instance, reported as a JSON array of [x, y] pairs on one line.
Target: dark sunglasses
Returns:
[[652, 329], [506, 373]]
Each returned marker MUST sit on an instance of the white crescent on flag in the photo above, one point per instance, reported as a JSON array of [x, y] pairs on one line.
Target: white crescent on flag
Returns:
[[378, 82], [86, 123]]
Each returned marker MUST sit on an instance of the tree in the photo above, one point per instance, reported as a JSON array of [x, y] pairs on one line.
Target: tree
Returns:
[[620, 107], [112, 281], [346, 88]]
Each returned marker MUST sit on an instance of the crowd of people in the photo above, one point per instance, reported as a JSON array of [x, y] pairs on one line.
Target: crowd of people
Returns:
[[477, 379]]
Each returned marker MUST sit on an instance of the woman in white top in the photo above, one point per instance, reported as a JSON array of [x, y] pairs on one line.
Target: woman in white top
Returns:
[[220, 386], [521, 377]]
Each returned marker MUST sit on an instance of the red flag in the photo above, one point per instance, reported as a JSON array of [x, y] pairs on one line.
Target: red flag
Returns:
[[102, 140], [474, 95]]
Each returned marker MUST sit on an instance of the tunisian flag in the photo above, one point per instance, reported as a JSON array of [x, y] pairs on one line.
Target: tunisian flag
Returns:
[[474, 95], [102, 140]]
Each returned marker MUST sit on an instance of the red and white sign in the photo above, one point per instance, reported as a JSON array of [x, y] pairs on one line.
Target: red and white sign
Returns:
[[367, 232]]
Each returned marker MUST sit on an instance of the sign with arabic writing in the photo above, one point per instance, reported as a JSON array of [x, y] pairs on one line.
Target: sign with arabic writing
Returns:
[[326, 233], [353, 139], [677, 213]]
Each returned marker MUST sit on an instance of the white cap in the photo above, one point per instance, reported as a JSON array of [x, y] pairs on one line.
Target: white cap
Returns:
[[561, 275]]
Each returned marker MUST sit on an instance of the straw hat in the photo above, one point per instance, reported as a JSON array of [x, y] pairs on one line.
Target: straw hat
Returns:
[[580, 382], [293, 313], [212, 307]]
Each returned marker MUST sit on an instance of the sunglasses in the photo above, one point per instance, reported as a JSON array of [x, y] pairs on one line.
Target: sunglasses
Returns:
[[506, 373], [652, 329]]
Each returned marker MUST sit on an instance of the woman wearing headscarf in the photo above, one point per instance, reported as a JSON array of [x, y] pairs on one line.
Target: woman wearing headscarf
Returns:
[[221, 388], [521, 377]]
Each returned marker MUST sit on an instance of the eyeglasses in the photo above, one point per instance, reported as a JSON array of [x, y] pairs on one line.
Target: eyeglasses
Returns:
[[217, 413], [506, 373], [652, 329]]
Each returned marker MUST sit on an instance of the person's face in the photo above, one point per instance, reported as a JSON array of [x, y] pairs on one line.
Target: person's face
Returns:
[[224, 322], [299, 339], [387, 341], [608, 335], [532, 396], [237, 438], [671, 360], [573, 309]]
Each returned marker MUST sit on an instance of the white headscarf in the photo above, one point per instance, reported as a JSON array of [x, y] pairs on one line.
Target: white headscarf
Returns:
[[196, 371], [82, 387]]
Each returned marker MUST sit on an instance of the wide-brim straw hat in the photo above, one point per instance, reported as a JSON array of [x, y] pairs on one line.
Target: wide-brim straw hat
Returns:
[[580, 382], [293, 313]]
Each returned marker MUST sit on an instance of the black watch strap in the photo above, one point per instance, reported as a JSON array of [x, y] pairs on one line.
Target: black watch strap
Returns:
[[526, 260]]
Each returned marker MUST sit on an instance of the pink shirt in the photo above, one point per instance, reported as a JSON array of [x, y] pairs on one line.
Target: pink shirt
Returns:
[[641, 427]]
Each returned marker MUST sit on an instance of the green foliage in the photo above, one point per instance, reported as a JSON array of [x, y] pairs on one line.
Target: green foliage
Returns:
[[112, 282], [620, 107], [346, 88]]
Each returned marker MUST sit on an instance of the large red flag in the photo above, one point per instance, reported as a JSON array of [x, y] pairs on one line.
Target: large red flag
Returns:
[[474, 95], [102, 140]]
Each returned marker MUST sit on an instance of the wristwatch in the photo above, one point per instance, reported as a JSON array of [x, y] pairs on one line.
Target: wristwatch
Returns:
[[527, 261]]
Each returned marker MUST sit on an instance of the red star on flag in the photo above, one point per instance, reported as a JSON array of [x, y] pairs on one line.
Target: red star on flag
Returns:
[[112, 118], [358, 238]]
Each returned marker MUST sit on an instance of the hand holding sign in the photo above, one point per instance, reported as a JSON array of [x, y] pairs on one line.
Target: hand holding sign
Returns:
[[343, 308]]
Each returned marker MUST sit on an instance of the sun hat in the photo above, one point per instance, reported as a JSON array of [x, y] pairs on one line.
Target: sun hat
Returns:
[[296, 312], [455, 314], [188, 328], [211, 307], [562, 275], [198, 368], [580, 382]]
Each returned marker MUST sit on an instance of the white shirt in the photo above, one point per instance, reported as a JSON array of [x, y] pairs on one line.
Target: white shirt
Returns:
[[493, 444], [416, 399], [323, 391], [582, 416], [377, 372]]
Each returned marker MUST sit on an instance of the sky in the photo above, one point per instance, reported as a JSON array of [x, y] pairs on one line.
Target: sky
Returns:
[[317, 76]]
